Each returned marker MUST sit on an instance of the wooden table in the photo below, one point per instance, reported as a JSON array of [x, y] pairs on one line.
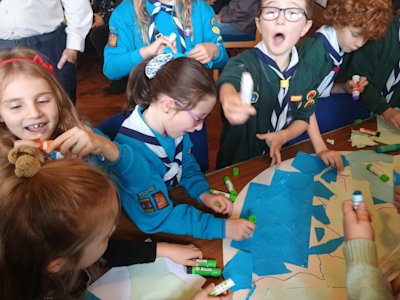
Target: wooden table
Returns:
[[248, 170]]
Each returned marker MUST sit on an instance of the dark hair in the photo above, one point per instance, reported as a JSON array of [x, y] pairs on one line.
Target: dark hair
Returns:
[[355, 13], [308, 7], [184, 79], [53, 214]]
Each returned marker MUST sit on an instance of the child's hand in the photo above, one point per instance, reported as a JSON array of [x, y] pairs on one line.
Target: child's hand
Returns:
[[181, 254], [392, 117], [239, 229], [83, 141], [157, 47], [204, 52], [357, 224], [235, 110], [396, 202], [350, 84], [275, 140], [217, 203], [204, 294], [331, 158]]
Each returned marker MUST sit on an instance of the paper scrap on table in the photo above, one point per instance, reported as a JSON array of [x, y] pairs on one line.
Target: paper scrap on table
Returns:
[[361, 140], [113, 285]]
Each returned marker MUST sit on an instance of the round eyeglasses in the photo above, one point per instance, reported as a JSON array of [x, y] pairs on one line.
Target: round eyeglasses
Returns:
[[292, 14]]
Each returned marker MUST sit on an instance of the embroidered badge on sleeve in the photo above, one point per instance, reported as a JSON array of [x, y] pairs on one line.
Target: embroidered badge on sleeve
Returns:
[[160, 200], [112, 39]]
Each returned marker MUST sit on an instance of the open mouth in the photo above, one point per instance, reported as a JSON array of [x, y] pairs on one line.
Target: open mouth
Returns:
[[278, 39], [36, 127]]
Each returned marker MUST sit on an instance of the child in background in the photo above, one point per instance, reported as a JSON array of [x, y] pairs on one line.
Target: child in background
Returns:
[[34, 107], [379, 61], [55, 225], [364, 280], [170, 98], [284, 86], [345, 31], [141, 29]]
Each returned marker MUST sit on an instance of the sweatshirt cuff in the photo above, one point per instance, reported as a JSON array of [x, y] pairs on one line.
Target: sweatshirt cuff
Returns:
[[360, 251]]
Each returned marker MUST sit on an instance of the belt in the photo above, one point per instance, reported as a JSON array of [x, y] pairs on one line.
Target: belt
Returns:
[[33, 40]]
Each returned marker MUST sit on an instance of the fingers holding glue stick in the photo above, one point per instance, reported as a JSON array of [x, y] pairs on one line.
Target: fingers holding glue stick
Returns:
[[356, 86], [357, 223], [205, 294]]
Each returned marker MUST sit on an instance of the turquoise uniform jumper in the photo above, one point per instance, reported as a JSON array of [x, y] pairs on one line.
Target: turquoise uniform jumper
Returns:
[[144, 194], [121, 53]]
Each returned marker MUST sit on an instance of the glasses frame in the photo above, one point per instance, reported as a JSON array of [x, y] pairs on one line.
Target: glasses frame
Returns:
[[304, 13], [195, 117]]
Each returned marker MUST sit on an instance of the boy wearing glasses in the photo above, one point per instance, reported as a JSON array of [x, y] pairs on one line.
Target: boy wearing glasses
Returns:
[[346, 30], [284, 93]]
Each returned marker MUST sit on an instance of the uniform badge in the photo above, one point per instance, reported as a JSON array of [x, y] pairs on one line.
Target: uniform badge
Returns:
[[213, 21], [254, 97], [186, 31], [299, 105], [219, 39], [160, 200], [296, 98], [309, 103], [216, 30], [112, 39], [284, 84], [310, 98], [146, 205]]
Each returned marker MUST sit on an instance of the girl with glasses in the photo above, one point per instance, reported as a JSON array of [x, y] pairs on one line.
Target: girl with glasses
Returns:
[[169, 98]]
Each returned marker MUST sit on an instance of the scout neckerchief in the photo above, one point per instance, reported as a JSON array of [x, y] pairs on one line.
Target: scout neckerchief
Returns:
[[170, 9], [135, 127], [327, 35], [280, 112], [393, 79]]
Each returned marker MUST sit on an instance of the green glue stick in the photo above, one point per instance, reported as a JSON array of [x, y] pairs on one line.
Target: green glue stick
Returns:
[[387, 148], [226, 195], [229, 186], [252, 219], [222, 287], [213, 272], [374, 169], [207, 263]]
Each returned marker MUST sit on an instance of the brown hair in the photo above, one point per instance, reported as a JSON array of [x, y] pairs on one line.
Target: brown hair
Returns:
[[53, 214], [184, 79], [372, 17], [67, 112], [309, 4], [183, 12]]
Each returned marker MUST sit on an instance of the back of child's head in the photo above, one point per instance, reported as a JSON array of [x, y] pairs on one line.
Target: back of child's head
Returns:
[[183, 11], [53, 214], [308, 6], [184, 79], [29, 63], [371, 17]]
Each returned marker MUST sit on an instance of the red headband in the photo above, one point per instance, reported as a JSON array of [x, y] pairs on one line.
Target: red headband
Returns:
[[37, 60]]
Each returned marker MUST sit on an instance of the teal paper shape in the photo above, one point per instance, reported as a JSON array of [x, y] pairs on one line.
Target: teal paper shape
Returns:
[[327, 247], [320, 233], [322, 191], [319, 213], [330, 175], [308, 164], [240, 270]]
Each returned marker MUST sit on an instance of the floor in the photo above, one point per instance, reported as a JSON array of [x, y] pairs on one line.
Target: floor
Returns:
[[95, 107]]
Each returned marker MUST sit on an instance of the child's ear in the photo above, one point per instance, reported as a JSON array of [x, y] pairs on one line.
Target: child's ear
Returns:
[[168, 104], [306, 27], [56, 265]]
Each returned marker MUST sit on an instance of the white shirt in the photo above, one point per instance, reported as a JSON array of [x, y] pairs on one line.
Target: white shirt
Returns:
[[26, 18]]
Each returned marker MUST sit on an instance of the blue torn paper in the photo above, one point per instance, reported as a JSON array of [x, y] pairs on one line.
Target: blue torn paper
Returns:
[[284, 212], [308, 164], [322, 191], [327, 247], [320, 233], [330, 175], [240, 270], [319, 213], [345, 161]]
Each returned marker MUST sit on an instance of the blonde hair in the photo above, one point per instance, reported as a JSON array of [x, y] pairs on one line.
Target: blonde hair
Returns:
[[54, 214], [183, 12], [68, 116]]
